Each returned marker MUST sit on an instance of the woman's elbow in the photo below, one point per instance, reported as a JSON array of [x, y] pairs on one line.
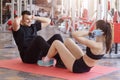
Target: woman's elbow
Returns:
[[74, 34], [48, 21]]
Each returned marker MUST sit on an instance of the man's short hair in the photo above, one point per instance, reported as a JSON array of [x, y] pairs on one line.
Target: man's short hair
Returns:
[[26, 12]]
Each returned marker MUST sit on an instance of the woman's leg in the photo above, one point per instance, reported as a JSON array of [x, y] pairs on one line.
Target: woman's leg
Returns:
[[66, 56], [74, 48], [57, 57], [53, 38]]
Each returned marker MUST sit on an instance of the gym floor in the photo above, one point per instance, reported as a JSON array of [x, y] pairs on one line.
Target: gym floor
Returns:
[[9, 51]]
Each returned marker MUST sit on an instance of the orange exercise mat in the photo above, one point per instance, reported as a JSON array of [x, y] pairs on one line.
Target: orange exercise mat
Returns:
[[16, 64]]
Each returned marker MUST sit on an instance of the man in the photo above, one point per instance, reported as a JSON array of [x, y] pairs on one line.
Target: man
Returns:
[[31, 46]]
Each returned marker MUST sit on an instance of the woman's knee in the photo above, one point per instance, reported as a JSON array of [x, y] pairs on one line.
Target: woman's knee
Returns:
[[57, 42], [67, 41]]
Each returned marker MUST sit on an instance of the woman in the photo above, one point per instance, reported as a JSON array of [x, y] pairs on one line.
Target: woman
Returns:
[[73, 56]]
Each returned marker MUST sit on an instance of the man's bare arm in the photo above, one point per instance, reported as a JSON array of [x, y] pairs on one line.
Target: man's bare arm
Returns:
[[44, 21], [16, 23]]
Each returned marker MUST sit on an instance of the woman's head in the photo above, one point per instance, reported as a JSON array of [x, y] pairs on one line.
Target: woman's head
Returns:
[[107, 32]]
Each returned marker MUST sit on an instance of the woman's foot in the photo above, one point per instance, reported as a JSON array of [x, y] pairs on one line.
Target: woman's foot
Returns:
[[48, 63]]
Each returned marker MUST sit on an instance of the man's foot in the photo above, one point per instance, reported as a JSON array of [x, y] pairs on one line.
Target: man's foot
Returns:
[[60, 64], [47, 63]]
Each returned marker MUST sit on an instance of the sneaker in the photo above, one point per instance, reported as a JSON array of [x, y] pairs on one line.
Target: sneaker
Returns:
[[46, 64], [60, 64]]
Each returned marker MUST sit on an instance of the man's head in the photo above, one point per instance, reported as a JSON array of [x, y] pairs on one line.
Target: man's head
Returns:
[[26, 18]]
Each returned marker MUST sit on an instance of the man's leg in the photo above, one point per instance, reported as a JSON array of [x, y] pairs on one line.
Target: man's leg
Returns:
[[37, 50], [55, 37]]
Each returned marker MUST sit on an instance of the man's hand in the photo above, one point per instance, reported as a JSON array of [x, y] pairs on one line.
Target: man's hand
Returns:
[[33, 17], [44, 21]]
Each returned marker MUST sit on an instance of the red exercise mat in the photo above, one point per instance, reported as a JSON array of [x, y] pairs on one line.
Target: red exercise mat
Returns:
[[16, 64]]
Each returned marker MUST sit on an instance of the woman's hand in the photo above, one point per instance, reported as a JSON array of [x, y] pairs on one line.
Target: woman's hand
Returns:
[[97, 32]]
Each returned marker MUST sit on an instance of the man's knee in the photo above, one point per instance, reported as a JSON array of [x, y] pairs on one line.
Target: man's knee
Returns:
[[39, 38], [58, 37]]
